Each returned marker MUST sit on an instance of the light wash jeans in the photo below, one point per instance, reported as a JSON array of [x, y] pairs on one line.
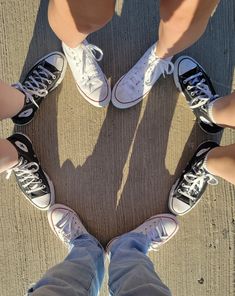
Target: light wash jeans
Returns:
[[131, 273]]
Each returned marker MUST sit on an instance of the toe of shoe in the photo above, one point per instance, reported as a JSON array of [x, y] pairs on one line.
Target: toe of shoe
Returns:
[[43, 202], [179, 207], [185, 64], [56, 59]]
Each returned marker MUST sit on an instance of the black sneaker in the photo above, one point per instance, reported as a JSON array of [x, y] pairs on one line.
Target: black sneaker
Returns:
[[32, 180], [191, 79], [188, 189], [44, 76]]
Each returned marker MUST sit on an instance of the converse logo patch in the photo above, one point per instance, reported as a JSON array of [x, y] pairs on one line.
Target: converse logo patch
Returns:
[[22, 146], [26, 113], [202, 151]]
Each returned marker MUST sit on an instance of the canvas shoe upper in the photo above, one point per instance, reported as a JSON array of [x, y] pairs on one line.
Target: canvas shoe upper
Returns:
[[65, 223], [32, 180], [43, 77], [191, 79], [137, 83], [90, 79], [188, 189], [158, 230]]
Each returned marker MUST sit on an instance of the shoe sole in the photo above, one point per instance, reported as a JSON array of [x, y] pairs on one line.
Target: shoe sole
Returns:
[[50, 183], [169, 216], [178, 86], [170, 201], [59, 80]]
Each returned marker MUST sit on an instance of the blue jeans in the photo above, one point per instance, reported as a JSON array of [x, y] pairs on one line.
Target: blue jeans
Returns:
[[131, 273]]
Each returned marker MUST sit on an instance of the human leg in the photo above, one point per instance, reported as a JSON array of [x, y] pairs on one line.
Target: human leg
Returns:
[[131, 272], [182, 24], [81, 273]]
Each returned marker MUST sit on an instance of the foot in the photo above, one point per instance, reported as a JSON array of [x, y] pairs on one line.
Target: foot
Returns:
[[44, 77], [32, 180], [191, 79], [188, 189], [137, 83], [90, 80], [65, 223], [158, 229]]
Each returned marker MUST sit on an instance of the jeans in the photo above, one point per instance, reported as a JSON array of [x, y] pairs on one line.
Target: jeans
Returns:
[[131, 273]]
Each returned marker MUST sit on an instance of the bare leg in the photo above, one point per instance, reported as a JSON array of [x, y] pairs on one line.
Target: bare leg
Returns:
[[223, 111], [11, 101], [73, 20], [8, 155], [221, 162], [182, 23]]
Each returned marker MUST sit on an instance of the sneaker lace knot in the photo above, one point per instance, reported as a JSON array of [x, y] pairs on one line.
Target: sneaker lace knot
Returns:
[[199, 90], [156, 233], [26, 173], [194, 183], [152, 73], [67, 228], [36, 85]]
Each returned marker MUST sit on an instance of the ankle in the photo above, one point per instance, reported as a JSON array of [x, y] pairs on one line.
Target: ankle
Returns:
[[9, 157]]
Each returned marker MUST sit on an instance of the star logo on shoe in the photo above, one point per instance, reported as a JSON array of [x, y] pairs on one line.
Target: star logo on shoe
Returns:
[[21, 146], [26, 113]]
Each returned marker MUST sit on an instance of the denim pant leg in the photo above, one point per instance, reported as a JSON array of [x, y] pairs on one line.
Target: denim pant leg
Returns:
[[131, 273], [81, 273]]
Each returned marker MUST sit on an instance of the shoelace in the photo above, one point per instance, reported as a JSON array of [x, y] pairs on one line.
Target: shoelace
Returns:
[[36, 84], [195, 182], [156, 233], [90, 73], [198, 87], [67, 228], [27, 175], [166, 67]]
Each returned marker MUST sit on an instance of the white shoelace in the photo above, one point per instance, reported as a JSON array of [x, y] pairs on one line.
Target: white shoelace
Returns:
[[67, 228], [35, 84], [166, 68], [198, 87], [156, 233], [27, 175], [149, 68], [90, 76], [195, 182]]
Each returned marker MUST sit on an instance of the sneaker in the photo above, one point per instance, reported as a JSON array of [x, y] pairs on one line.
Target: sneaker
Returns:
[[44, 77], [158, 229], [137, 83], [90, 80], [65, 223], [32, 180], [188, 189], [193, 82]]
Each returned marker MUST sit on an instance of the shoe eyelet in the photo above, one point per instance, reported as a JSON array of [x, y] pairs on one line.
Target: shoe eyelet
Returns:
[[184, 82], [188, 88], [53, 77], [50, 82], [192, 93]]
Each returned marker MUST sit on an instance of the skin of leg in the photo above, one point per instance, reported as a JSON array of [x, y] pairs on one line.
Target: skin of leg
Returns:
[[11, 101], [73, 20], [182, 24], [8, 155], [221, 162], [223, 111]]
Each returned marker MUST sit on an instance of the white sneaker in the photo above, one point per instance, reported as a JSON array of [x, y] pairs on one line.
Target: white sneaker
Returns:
[[137, 83], [65, 223], [159, 229], [90, 79]]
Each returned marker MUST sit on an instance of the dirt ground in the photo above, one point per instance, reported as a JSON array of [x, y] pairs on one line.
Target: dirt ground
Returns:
[[115, 167]]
